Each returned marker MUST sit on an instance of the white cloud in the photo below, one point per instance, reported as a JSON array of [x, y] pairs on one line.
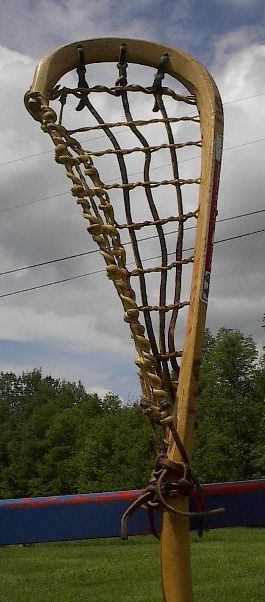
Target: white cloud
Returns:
[[85, 315], [239, 65], [54, 23], [101, 392], [76, 333], [237, 289]]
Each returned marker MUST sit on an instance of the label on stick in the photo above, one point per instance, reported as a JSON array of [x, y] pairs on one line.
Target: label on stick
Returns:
[[218, 143]]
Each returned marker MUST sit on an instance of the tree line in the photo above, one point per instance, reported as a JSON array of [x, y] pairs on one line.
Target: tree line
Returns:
[[57, 439]]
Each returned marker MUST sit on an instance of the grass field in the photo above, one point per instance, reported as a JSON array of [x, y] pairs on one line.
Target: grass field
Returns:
[[228, 565]]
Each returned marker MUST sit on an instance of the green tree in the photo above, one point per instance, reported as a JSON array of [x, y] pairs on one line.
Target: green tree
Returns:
[[228, 408], [258, 453], [57, 439], [42, 421], [115, 454]]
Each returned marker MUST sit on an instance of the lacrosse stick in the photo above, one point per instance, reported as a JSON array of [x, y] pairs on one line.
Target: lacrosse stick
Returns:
[[133, 218]]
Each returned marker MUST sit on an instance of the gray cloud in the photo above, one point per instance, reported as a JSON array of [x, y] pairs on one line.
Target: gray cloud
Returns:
[[52, 24], [82, 320]]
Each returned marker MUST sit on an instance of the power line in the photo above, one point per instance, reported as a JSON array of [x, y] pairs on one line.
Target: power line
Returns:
[[49, 261], [81, 254], [238, 236], [229, 102], [226, 102], [46, 284], [47, 198], [47, 152]]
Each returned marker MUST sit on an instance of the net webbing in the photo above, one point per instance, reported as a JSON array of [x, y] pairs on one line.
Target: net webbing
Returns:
[[106, 229], [154, 339]]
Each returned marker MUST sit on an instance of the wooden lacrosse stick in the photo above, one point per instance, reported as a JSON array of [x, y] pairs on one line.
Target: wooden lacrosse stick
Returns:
[[168, 375]]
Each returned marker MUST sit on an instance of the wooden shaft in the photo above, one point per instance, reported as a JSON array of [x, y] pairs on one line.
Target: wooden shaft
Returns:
[[175, 557], [175, 532]]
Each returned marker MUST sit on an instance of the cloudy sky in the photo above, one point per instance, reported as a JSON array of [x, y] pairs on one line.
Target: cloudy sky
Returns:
[[74, 330]]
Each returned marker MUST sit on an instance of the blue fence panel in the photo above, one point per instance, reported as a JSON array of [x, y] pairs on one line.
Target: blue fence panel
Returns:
[[89, 516]]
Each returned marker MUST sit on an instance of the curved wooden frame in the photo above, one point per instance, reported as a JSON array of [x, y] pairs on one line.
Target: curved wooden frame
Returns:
[[175, 553]]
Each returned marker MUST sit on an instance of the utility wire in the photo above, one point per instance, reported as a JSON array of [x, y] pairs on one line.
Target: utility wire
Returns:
[[226, 102], [46, 284], [47, 198], [81, 254]]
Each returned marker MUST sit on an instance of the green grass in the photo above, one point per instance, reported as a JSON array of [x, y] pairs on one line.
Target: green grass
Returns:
[[228, 565]]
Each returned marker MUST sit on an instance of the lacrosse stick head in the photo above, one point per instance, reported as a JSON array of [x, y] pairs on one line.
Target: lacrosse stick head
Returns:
[[140, 136]]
